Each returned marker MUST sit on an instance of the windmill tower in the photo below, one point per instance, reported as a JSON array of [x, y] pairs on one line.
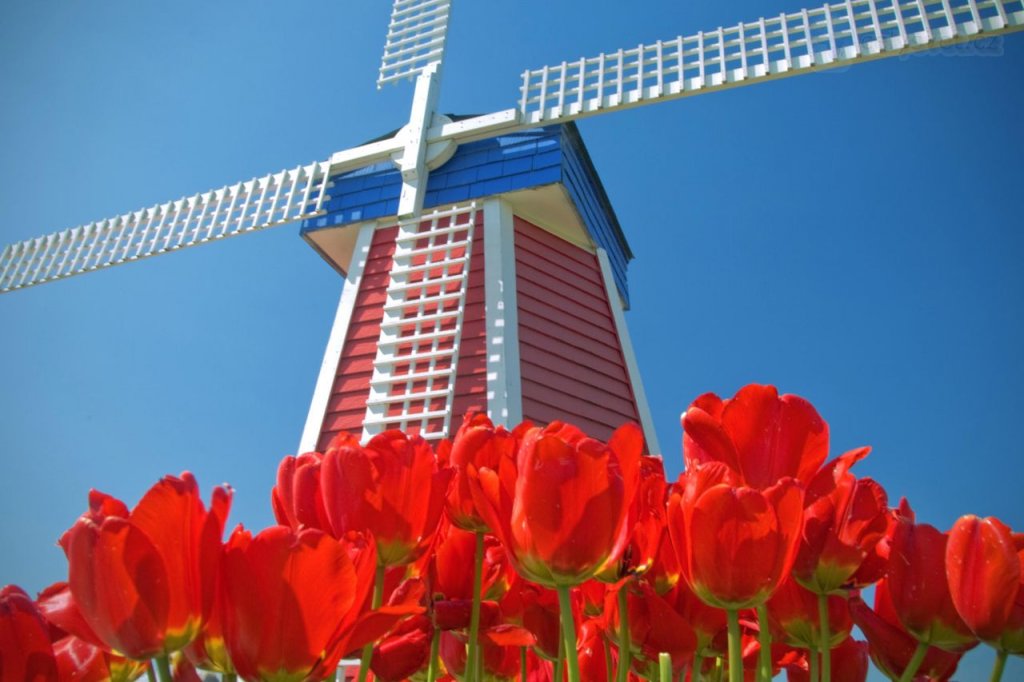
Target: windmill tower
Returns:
[[361, 233]]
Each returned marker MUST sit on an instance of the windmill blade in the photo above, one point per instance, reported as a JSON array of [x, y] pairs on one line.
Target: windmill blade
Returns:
[[256, 204], [834, 35], [416, 37]]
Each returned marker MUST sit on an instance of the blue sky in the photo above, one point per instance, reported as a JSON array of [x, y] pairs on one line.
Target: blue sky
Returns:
[[851, 236]]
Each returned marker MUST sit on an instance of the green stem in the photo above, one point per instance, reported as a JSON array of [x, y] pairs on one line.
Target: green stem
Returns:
[[560, 661], [522, 664], [826, 639], [163, 667], [718, 668], [698, 666], [435, 643], [378, 599], [231, 677], [569, 632], [997, 669], [624, 650], [735, 651], [664, 667], [472, 657], [149, 673], [915, 662], [812, 661], [764, 638], [608, 675]]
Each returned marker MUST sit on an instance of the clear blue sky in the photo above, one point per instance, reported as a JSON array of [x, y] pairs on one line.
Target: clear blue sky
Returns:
[[853, 237]]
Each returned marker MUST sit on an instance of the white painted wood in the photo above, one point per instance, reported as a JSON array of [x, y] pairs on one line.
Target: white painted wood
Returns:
[[413, 162], [615, 303], [504, 385], [415, 40], [168, 227], [336, 341], [829, 34], [423, 311]]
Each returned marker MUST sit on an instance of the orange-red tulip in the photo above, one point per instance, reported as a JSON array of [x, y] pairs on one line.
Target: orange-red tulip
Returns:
[[849, 664], [296, 497], [735, 544], [891, 646], [144, 580], [793, 617], [25, 650], [480, 444], [986, 581], [405, 650], [844, 520], [760, 435], [919, 589], [392, 488], [293, 603], [561, 510], [81, 661], [655, 627]]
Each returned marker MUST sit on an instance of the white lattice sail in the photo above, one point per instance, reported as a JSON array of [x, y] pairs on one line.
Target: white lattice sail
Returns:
[[256, 204], [416, 38], [833, 35], [413, 382]]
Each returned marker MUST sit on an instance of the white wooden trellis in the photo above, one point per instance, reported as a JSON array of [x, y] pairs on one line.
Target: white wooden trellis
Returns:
[[415, 39], [413, 382], [257, 204], [831, 35]]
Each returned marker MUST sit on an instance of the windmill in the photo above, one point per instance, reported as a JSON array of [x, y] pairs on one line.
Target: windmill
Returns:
[[126, 275]]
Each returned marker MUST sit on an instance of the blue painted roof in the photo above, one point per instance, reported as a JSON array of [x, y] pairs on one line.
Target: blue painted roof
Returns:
[[521, 160]]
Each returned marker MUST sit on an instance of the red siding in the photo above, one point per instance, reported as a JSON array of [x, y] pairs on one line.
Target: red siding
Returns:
[[471, 372], [571, 361], [347, 405]]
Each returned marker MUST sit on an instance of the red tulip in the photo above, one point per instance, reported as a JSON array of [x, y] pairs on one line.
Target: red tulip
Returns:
[[536, 609], [647, 521], [654, 627], [849, 664], [844, 520], [25, 650], [761, 436], [81, 661], [58, 608], [708, 623], [144, 580], [452, 567], [405, 650], [593, 652], [296, 498], [735, 544], [293, 603], [561, 510], [793, 617], [919, 589], [392, 488], [986, 581], [478, 443], [891, 646], [500, 646]]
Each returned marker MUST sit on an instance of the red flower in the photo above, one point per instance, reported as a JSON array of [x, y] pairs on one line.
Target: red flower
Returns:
[[84, 662], [293, 603], [392, 488], [404, 652], [919, 589], [478, 443], [849, 664], [499, 645], [25, 650], [844, 521], [654, 627], [647, 521], [761, 436], [793, 617], [562, 510], [296, 497], [144, 580], [735, 544], [986, 581], [891, 646]]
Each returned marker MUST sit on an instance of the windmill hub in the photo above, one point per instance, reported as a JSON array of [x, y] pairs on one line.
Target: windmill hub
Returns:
[[437, 153]]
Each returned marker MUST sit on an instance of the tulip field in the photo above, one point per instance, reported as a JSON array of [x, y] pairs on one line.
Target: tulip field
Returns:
[[532, 553]]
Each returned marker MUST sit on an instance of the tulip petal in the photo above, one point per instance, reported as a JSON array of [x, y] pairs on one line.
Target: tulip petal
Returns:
[[984, 574]]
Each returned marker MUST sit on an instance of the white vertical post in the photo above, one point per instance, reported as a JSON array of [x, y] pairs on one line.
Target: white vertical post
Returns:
[[504, 387], [329, 367], [615, 303]]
